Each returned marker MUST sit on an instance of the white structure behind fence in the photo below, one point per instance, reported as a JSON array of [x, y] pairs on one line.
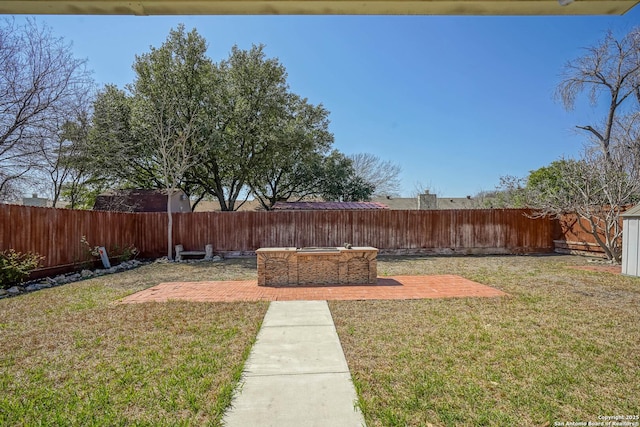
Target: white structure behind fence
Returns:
[[631, 242]]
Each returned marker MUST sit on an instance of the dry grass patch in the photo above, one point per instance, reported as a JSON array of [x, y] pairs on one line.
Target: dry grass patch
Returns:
[[71, 356], [565, 346]]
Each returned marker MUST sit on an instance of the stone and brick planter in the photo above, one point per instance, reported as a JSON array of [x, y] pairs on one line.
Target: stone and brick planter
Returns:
[[316, 266]]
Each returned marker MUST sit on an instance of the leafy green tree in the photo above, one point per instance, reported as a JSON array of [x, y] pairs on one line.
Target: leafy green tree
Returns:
[[549, 176], [292, 165], [102, 153], [238, 127], [83, 195], [246, 114], [73, 169], [340, 182], [548, 181], [113, 149]]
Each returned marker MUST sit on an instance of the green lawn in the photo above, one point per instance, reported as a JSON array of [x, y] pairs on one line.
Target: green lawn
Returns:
[[564, 346], [72, 356]]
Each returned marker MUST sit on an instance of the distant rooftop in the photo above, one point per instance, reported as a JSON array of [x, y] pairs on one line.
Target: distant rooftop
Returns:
[[308, 206], [428, 201]]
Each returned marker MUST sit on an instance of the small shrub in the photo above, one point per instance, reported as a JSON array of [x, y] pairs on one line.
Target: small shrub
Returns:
[[16, 266], [90, 251], [124, 253]]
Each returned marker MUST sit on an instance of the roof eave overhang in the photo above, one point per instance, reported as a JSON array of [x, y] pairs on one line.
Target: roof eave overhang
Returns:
[[316, 7]]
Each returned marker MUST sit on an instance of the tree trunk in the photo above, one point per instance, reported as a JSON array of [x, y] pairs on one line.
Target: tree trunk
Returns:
[[596, 235], [169, 225]]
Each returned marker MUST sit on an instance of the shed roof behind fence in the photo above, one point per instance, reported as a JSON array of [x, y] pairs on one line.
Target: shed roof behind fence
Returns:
[[635, 212]]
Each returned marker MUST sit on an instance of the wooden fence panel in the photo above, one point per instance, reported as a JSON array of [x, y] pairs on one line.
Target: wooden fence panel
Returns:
[[152, 232], [571, 237], [57, 233], [446, 232]]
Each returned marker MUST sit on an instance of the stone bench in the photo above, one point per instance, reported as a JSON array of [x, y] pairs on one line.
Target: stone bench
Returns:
[[207, 253]]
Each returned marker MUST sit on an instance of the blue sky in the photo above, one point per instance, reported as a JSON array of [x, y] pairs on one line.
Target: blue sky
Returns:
[[457, 102]]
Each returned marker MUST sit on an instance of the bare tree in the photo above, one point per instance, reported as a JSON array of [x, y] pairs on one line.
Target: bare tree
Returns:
[[420, 187], [176, 155], [627, 134], [510, 193], [596, 188], [605, 179], [40, 81], [383, 175], [167, 111], [610, 70]]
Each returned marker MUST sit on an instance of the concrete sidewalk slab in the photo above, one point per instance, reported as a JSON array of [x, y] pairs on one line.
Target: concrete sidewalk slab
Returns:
[[291, 350], [303, 313], [296, 374], [320, 400]]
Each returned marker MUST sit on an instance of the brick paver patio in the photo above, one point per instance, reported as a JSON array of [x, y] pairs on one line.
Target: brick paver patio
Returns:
[[396, 287]]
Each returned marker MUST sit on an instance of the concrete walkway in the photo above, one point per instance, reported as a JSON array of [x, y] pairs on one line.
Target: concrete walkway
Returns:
[[296, 374]]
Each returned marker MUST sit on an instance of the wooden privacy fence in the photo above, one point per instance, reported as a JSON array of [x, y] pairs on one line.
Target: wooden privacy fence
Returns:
[[57, 233], [445, 231]]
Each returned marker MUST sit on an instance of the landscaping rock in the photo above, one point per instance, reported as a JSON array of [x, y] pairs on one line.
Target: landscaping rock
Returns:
[[216, 258], [62, 279], [15, 290]]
